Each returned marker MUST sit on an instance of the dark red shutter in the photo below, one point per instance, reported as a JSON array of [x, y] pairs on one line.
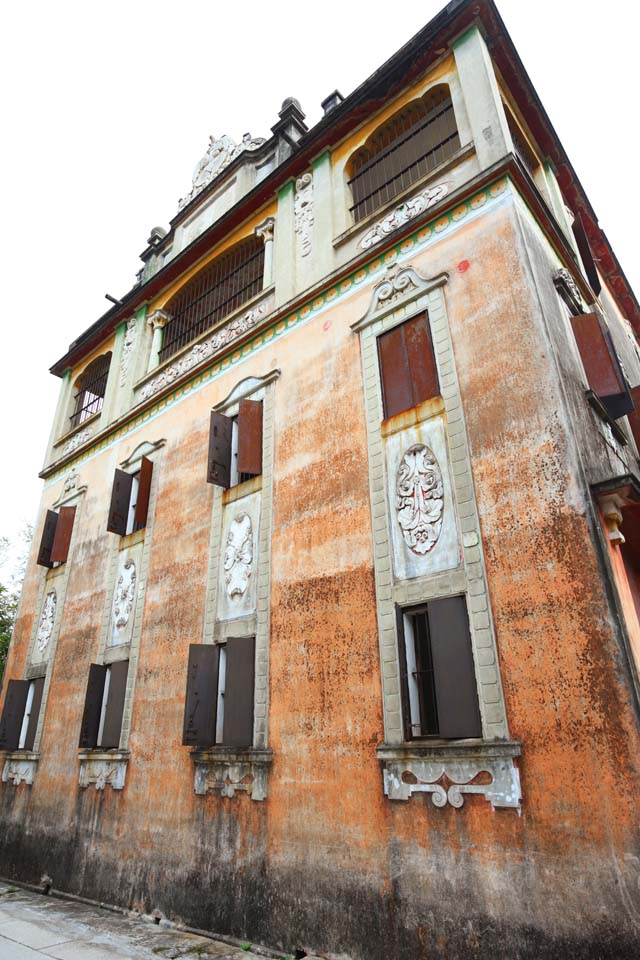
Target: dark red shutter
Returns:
[[455, 679], [420, 359], [238, 692], [601, 364], [120, 500], [62, 539], [13, 714], [397, 394], [585, 252], [250, 437], [92, 706], [219, 461], [201, 704], [115, 705], [404, 679], [46, 542], [144, 492], [38, 687]]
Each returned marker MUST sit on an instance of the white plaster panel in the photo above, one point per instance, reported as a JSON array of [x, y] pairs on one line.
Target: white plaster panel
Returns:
[[238, 566], [445, 552], [125, 595]]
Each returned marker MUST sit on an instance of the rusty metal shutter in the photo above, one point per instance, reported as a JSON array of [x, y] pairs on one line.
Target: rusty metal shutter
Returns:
[[219, 461], [420, 359], [62, 539], [92, 706], [120, 500], [238, 692], [455, 679], [404, 680], [115, 705], [601, 364], [250, 437], [397, 394], [580, 234], [46, 541], [13, 714], [144, 492], [201, 703], [38, 687]]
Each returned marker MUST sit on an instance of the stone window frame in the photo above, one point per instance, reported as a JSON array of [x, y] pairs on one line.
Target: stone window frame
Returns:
[[400, 295]]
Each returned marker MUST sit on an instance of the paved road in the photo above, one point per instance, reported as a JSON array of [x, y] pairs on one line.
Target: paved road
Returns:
[[33, 927]]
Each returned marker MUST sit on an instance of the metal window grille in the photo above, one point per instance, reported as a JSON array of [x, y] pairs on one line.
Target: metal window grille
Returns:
[[402, 151], [91, 388], [216, 291], [520, 145]]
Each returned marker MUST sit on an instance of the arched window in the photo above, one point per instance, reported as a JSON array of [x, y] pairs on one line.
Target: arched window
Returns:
[[90, 388], [403, 150], [219, 289]]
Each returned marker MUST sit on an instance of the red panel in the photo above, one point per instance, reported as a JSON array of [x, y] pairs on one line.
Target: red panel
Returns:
[[420, 358], [62, 539], [397, 394], [250, 437], [144, 492], [602, 371]]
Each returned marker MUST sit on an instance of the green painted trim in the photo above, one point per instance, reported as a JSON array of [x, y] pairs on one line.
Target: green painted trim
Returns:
[[285, 190], [465, 36]]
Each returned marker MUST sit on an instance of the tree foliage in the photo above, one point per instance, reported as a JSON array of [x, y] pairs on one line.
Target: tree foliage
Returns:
[[10, 595], [8, 607]]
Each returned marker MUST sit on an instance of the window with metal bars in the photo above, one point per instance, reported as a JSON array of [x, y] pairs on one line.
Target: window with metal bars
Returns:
[[402, 151], [522, 149], [91, 387], [216, 291]]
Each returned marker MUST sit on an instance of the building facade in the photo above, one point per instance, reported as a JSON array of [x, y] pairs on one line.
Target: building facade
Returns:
[[330, 639]]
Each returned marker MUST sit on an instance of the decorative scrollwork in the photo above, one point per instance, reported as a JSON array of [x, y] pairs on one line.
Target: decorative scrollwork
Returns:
[[238, 556], [419, 498], [125, 595], [402, 214], [47, 618], [303, 212]]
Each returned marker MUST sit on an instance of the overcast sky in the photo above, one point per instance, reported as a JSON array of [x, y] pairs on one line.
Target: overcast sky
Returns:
[[108, 108]]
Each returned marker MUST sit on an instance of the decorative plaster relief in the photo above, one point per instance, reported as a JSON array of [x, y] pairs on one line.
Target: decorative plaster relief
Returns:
[[206, 348], [47, 618], [303, 212], [76, 441], [18, 770], [226, 776], [127, 347], [448, 779], [402, 214], [238, 556], [419, 498], [71, 482], [220, 153], [101, 771], [124, 596]]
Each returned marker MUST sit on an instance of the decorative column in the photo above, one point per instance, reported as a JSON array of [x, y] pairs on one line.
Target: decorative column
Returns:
[[265, 230], [611, 507], [156, 321]]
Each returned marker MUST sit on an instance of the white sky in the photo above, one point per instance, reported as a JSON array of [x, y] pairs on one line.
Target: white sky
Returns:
[[108, 108]]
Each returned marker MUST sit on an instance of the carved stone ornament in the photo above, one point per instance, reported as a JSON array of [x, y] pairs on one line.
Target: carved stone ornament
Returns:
[[76, 441], [220, 153], [303, 212], [448, 779], [18, 770], [47, 618], [127, 347], [125, 595], [228, 776], [419, 498], [402, 214], [101, 771], [568, 290], [238, 555], [207, 348], [70, 483]]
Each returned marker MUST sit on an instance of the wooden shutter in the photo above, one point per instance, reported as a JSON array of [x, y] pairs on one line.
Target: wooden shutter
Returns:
[[46, 542], [238, 692], [456, 690], [601, 364], [219, 462], [120, 500], [115, 705], [585, 252], [13, 714], [250, 437], [201, 703], [62, 539], [420, 359], [634, 415], [404, 679], [38, 687], [397, 394], [92, 706], [144, 492]]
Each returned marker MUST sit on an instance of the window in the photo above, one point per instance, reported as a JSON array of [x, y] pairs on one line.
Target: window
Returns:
[[130, 499], [104, 706], [601, 364], [219, 699], [91, 387], [407, 366], [235, 445], [216, 291], [20, 715], [402, 151], [521, 145], [439, 693], [56, 537], [584, 247]]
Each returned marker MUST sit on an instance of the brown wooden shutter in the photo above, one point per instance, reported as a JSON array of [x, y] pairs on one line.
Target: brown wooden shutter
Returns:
[[38, 687], [219, 461], [397, 394], [601, 364], [120, 500], [46, 542], [13, 714], [238, 692], [201, 703], [420, 359], [404, 678], [115, 705], [580, 234], [144, 492], [634, 415], [92, 706], [250, 437], [456, 689], [62, 539]]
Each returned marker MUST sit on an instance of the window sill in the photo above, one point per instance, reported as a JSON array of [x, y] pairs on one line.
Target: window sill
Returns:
[[447, 769], [226, 770], [20, 767], [130, 539], [412, 416], [100, 767], [65, 437], [242, 490]]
